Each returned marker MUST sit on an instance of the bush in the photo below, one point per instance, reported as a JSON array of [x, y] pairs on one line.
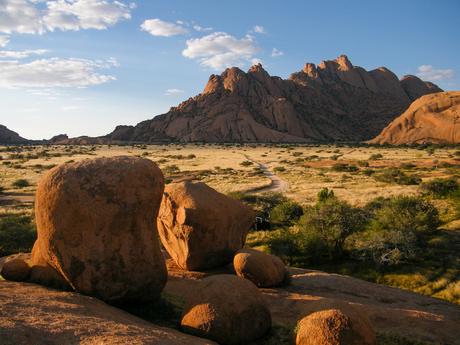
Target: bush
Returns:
[[21, 183], [440, 188], [279, 169], [343, 167], [397, 176], [17, 234], [286, 213], [330, 223], [246, 163], [375, 156], [325, 194]]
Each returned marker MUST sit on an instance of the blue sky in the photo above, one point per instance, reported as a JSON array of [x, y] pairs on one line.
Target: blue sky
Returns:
[[85, 66]]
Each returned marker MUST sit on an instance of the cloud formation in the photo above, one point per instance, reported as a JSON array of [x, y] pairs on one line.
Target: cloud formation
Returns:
[[220, 50], [21, 54], [276, 52], [31, 17], [54, 72], [158, 27], [4, 41], [172, 92], [428, 72], [258, 29]]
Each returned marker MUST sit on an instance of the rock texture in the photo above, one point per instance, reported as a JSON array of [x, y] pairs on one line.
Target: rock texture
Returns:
[[200, 227], [96, 227], [227, 309], [333, 327], [334, 101], [9, 137], [15, 270], [32, 314], [262, 269], [432, 118]]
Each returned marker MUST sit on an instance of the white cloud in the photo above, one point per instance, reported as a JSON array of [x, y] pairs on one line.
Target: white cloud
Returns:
[[259, 29], [158, 27], [427, 72], [201, 28], [4, 41], [276, 52], [69, 108], [172, 92], [21, 54], [53, 73], [38, 16], [220, 50]]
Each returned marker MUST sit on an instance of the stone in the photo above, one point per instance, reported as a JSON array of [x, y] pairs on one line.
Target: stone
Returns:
[[334, 327], [201, 228], [96, 226], [15, 270], [264, 270], [227, 309]]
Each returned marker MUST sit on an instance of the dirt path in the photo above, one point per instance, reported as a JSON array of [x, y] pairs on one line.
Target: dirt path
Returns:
[[277, 185]]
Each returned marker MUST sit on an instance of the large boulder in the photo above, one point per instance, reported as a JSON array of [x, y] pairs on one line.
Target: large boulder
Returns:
[[227, 309], [96, 227], [16, 269], [200, 227], [333, 327], [262, 269]]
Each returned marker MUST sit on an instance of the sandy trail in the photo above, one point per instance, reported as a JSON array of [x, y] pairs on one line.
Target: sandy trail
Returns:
[[277, 185]]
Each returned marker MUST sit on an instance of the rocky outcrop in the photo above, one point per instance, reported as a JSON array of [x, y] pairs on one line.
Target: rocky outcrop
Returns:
[[334, 101], [32, 314], [333, 327], [416, 88], [264, 270], [96, 227], [433, 118], [227, 309], [200, 227], [9, 137]]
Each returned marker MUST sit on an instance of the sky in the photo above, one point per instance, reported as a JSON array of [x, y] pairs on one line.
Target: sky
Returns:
[[81, 67]]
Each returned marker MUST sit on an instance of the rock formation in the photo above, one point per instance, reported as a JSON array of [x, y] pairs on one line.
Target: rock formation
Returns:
[[432, 118], [9, 137], [333, 327], [334, 101], [262, 269], [227, 309], [200, 227], [96, 227]]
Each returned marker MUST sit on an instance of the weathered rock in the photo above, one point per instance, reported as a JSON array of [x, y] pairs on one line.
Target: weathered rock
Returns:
[[227, 309], [32, 314], [15, 270], [41, 272], [264, 270], [200, 227], [96, 226], [433, 118], [416, 88], [333, 327], [332, 101]]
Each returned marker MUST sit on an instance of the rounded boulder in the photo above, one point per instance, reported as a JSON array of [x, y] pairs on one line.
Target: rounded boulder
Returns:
[[264, 270], [16, 269], [227, 309], [96, 226], [334, 327]]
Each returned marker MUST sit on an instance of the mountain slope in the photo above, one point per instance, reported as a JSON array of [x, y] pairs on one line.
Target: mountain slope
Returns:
[[9, 137], [334, 101], [432, 118]]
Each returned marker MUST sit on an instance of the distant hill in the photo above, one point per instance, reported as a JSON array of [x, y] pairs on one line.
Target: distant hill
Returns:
[[9, 137], [432, 118], [334, 101]]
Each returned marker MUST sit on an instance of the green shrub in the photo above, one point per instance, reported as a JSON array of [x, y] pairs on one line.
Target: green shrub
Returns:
[[246, 163], [279, 169], [394, 175], [325, 194], [440, 188], [364, 164], [286, 213], [21, 183], [17, 234], [375, 156], [343, 167]]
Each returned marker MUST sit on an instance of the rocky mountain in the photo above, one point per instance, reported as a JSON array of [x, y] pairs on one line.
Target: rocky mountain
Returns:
[[334, 101], [430, 119], [9, 137]]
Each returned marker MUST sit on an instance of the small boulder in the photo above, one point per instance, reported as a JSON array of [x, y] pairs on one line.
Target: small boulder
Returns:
[[262, 269], [226, 309], [17, 270], [334, 327], [96, 227], [200, 227]]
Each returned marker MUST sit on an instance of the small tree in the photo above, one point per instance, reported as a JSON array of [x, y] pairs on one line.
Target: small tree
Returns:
[[286, 213]]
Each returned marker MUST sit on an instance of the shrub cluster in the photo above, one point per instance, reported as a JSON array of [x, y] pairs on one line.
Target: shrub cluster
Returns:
[[17, 234]]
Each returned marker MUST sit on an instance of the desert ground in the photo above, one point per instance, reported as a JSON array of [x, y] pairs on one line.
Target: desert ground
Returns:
[[298, 172]]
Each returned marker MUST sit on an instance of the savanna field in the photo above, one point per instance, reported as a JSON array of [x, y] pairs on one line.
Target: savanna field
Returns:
[[383, 214]]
